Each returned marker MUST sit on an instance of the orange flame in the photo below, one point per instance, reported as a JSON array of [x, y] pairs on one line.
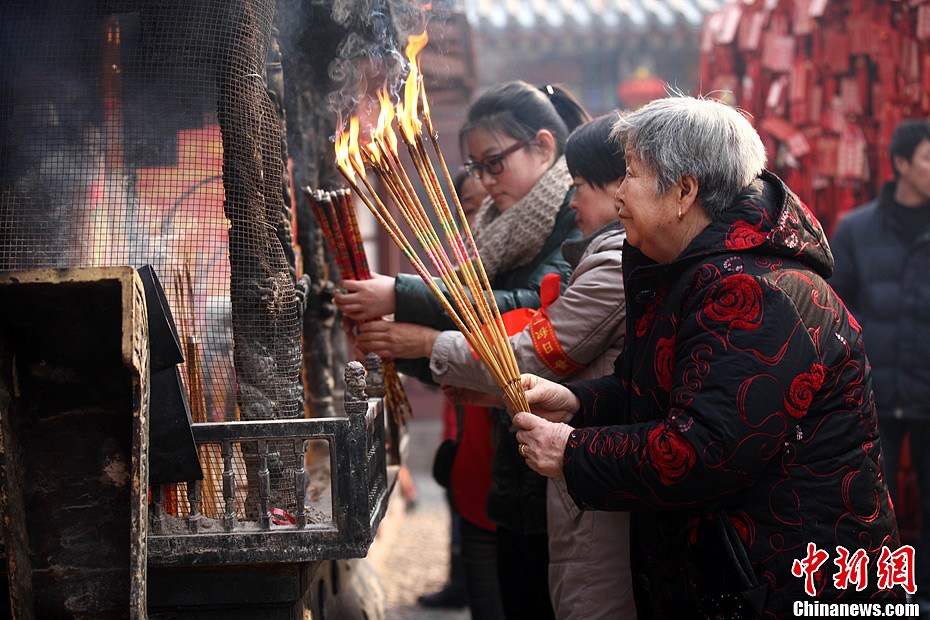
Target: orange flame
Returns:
[[407, 113], [385, 131], [342, 153], [348, 156], [355, 155]]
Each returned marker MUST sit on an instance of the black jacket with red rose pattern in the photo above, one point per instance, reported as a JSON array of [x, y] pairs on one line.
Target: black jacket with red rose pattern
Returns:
[[744, 392]]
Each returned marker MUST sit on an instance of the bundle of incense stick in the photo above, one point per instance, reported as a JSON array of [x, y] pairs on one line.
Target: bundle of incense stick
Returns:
[[470, 302], [211, 460], [335, 215]]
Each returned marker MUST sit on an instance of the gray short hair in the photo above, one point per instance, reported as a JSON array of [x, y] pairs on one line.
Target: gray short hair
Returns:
[[709, 140]]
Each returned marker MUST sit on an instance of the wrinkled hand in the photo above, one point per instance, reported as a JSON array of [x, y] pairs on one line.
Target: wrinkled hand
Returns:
[[544, 443], [364, 300], [548, 399], [390, 339], [464, 396]]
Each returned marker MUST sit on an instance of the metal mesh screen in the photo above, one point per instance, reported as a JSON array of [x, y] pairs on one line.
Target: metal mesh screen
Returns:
[[138, 132]]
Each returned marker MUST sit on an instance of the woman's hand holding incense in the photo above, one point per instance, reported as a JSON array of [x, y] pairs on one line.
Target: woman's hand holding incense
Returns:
[[464, 396], [543, 443], [548, 399], [390, 339], [364, 300]]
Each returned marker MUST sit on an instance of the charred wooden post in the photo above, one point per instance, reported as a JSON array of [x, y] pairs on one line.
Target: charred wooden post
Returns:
[[264, 488], [285, 225], [158, 509], [300, 482], [194, 496], [307, 138], [266, 330], [356, 404], [229, 487], [274, 82], [376, 433]]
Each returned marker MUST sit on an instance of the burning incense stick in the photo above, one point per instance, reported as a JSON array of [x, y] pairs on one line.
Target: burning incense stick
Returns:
[[467, 296]]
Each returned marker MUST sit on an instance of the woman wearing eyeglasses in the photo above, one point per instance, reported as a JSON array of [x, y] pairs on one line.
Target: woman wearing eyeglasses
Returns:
[[514, 137]]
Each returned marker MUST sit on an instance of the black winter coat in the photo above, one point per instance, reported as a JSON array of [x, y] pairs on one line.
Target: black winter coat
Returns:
[[885, 283], [739, 418]]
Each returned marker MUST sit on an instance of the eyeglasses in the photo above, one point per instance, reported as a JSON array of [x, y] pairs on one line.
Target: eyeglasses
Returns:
[[493, 164]]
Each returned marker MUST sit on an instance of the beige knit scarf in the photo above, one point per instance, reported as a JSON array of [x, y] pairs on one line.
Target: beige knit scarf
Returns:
[[513, 238]]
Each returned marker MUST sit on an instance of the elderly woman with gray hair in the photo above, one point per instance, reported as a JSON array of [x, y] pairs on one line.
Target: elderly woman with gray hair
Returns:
[[738, 426]]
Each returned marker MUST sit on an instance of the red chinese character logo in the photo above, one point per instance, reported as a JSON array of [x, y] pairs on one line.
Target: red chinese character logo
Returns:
[[897, 569], [808, 565], [853, 569]]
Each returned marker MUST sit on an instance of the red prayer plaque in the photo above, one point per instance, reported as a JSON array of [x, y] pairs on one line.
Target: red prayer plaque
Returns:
[[922, 31], [730, 18], [815, 104], [825, 161], [860, 34], [849, 95], [778, 52], [817, 7], [802, 22], [851, 159], [776, 95], [799, 77], [836, 50], [750, 31]]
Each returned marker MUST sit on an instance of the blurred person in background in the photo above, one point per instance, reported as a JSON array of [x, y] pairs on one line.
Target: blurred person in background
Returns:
[[471, 194], [882, 273]]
